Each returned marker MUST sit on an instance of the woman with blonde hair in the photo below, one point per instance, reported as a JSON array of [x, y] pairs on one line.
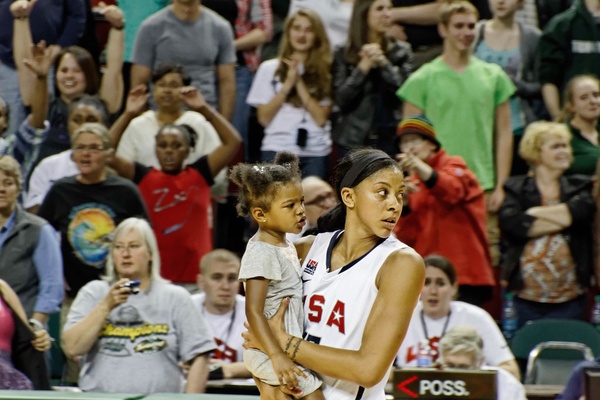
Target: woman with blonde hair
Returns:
[[292, 95], [581, 112], [546, 219]]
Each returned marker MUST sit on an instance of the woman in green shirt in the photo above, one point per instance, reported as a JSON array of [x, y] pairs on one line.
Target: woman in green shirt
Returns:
[[581, 113]]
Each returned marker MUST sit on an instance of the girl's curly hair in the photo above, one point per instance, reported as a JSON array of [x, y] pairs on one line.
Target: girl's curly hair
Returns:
[[259, 183]]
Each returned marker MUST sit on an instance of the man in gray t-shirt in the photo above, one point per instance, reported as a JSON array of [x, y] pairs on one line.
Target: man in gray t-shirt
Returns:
[[196, 37]]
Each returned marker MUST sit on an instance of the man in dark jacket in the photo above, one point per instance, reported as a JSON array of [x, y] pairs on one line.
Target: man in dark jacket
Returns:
[[569, 46]]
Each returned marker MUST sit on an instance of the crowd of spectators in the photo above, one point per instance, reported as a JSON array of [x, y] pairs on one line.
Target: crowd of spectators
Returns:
[[460, 93]]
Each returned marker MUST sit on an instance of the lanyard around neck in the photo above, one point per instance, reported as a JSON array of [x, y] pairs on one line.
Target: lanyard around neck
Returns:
[[443, 329]]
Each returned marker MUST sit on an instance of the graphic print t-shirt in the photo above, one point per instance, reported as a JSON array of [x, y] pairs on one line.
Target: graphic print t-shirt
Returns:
[[86, 216]]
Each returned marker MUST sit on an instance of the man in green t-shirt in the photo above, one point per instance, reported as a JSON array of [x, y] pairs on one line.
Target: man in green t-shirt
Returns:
[[467, 100]]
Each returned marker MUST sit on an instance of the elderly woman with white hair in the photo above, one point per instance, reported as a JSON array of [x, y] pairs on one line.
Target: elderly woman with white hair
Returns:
[[462, 348], [133, 327]]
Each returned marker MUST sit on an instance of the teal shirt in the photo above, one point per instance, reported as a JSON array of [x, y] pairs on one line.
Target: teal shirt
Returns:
[[509, 60], [136, 11], [585, 154], [462, 107]]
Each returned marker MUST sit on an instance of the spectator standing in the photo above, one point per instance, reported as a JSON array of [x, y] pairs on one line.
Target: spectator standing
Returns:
[[547, 219], [437, 313], [513, 46], [415, 21], [86, 208], [448, 89], [581, 112], [133, 343], [178, 196], [367, 72], [75, 73], [138, 141], [224, 310], [30, 258], [445, 197], [84, 109], [568, 47], [252, 25], [188, 33], [335, 15], [61, 22], [292, 95], [135, 12]]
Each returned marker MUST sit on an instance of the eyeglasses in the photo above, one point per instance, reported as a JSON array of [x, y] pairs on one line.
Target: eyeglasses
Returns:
[[322, 200], [129, 247], [92, 148]]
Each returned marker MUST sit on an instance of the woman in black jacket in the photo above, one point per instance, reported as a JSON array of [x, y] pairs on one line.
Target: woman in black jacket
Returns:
[[546, 219], [366, 74]]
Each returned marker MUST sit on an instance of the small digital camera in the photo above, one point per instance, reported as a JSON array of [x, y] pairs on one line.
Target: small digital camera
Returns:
[[302, 137], [134, 286]]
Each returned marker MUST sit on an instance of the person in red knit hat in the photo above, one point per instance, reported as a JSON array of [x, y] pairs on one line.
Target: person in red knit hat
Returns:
[[444, 211]]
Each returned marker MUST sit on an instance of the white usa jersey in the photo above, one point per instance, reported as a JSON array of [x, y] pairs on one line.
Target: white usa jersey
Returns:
[[337, 305]]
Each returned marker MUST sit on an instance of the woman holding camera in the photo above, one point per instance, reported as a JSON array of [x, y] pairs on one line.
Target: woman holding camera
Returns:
[[292, 95], [134, 337]]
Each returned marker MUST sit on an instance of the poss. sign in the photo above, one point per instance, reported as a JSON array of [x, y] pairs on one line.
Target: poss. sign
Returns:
[[430, 384]]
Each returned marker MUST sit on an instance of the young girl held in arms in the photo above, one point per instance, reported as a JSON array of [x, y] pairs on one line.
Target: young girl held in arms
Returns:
[[272, 195]]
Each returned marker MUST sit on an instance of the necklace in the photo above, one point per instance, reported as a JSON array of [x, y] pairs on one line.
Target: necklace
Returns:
[[443, 329]]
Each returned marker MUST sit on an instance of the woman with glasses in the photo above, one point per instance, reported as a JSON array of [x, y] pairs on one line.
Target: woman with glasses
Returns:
[[84, 109], [133, 327], [86, 208], [462, 348], [437, 313]]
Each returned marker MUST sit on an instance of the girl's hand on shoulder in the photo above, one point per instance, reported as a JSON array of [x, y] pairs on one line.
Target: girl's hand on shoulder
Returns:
[[42, 341]]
